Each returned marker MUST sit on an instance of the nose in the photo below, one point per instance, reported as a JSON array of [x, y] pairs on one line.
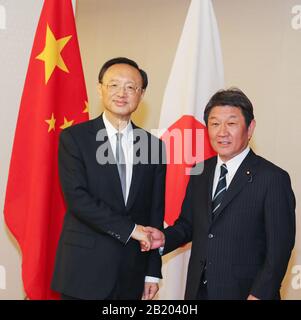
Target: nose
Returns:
[[223, 131], [121, 91]]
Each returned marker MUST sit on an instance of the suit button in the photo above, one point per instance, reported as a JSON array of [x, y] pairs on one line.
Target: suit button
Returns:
[[210, 235]]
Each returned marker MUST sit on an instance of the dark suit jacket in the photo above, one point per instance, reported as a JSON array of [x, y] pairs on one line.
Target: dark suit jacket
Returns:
[[94, 254], [247, 247]]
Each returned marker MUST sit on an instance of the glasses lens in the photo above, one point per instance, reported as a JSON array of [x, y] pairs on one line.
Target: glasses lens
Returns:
[[128, 88]]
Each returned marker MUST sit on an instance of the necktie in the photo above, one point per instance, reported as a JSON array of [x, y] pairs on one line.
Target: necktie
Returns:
[[221, 189], [120, 161]]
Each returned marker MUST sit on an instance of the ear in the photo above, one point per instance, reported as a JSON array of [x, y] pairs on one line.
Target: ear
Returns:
[[142, 94], [99, 90], [251, 128]]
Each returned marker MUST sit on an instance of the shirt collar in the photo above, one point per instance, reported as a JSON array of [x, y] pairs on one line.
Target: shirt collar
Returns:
[[235, 162], [111, 130]]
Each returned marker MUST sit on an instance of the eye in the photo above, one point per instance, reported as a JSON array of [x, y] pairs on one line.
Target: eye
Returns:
[[113, 85], [214, 124], [130, 88]]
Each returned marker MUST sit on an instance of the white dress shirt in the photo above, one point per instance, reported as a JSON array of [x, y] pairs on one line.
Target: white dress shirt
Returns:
[[127, 146], [127, 143], [232, 166]]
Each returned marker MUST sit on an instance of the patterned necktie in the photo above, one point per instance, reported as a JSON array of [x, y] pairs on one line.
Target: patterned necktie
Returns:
[[220, 189], [120, 161]]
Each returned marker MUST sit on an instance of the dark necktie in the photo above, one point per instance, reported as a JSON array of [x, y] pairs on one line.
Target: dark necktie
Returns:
[[221, 189], [120, 161]]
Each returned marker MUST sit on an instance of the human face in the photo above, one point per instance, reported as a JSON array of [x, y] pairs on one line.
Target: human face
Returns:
[[119, 105], [228, 132]]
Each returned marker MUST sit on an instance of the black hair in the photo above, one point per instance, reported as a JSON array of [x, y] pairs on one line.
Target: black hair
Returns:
[[233, 97], [123, 60]]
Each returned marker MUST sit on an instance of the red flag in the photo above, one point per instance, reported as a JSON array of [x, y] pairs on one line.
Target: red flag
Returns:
[[54, 97]]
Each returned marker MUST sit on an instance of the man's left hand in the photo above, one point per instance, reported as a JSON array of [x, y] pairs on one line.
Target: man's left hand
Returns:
[[150, 290]]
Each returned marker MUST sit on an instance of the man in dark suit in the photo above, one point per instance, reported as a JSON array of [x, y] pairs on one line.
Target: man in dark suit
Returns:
[[239, 213], [110, 193]]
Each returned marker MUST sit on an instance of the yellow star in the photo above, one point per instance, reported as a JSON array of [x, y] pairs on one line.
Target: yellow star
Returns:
[[66, 123], [86, 110], [51, 53], [51, 123]]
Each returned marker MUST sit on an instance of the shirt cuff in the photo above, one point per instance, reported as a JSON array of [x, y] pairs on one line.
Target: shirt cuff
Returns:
[[131, 234], [161, 250], [152, 279]]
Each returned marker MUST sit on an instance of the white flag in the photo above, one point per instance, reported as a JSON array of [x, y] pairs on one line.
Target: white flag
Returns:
[[197, 73]]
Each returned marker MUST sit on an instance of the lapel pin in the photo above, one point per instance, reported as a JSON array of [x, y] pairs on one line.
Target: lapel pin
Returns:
[[248, 173]]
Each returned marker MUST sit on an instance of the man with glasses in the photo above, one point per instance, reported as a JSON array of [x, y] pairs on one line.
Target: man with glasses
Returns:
[[102, 253]]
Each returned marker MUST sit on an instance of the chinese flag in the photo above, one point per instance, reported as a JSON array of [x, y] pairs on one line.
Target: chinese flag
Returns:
[[54, 98]]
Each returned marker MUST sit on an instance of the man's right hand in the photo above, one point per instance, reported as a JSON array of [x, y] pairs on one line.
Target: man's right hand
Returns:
[[157, 237], [143, 237]]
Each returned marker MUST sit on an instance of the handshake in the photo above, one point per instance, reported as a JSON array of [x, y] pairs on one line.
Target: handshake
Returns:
[[149, 237]]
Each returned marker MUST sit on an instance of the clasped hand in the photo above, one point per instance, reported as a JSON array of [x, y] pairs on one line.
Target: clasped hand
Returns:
[[149, 237]]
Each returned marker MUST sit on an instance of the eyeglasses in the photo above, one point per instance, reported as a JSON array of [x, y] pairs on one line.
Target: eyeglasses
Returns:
[[129, 88]]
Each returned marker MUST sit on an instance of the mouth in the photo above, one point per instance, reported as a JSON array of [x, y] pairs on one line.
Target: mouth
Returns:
[[223, 143], [120, 103]]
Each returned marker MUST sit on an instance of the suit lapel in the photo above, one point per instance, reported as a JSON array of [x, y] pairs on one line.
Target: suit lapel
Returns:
[[111, 170], [211, 170], [136, 181], [108, 171], [243, 175], [137, 173]]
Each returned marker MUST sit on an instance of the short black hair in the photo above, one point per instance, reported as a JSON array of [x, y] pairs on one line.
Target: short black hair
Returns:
[[233, 97], [123, 60]]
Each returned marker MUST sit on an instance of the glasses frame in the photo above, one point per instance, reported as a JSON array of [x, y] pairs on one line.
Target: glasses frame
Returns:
[[113, 88]]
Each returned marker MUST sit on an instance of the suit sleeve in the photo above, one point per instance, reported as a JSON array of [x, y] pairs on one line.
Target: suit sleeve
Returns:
[[157, 217], [181, 232], [279, 215], [95, 213], [157, 213]]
